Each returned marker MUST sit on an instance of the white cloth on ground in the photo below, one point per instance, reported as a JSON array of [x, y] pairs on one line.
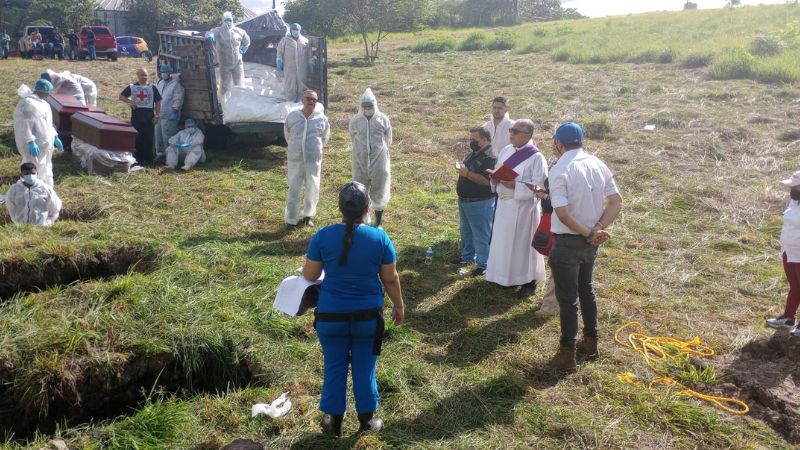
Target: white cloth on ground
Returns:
[[190, 155], [500, 135], [512, 260], [305, 138], [33, 121], [35, 205], [371, 138], [278, 408], [92, 158]]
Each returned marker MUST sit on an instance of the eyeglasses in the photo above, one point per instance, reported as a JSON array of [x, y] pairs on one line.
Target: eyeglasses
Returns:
[[515, 131], [310, 99]]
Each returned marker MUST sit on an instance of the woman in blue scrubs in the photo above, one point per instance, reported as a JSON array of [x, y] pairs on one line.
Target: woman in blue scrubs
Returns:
[[359, 263]]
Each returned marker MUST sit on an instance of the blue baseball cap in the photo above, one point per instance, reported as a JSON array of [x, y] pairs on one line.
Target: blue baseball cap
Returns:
[[569, 133], [43, 85]]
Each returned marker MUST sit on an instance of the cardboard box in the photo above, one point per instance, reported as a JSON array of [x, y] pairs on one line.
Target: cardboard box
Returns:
[[103, 131]]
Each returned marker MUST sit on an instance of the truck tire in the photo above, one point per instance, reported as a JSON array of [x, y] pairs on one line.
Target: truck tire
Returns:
[[217, 136], [112, 56]]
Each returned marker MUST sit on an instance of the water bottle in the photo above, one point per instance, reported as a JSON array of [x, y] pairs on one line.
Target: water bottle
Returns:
[[429, 256]]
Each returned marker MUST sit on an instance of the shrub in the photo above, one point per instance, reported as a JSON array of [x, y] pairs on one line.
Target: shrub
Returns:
[[732, 65], [434, 45], [502, 41], [477, 40], [597, 128], [561, 55], [765, 46], [695, 60], [776, 73]]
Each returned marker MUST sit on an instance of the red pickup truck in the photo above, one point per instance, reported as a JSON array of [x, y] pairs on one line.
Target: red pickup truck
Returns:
[[105, 42]]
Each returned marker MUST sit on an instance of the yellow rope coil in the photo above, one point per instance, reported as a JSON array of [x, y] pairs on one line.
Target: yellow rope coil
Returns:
[[655, 349]]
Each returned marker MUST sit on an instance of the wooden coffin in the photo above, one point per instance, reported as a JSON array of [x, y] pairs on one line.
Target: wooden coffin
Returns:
[[104, 131], [64, 106]]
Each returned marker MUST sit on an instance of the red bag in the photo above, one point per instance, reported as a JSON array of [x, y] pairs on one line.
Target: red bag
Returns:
[[542, 237]]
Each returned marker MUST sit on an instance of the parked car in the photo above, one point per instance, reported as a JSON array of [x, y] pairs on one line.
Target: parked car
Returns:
[[46, 32], [105, 42], [131, 46]]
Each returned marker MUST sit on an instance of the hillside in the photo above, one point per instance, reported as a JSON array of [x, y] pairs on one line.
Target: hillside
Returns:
[[174, 304]]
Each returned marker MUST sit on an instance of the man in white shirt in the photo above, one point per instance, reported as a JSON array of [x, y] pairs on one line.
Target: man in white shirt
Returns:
[[586, 201], [498, 125], [29, 201]]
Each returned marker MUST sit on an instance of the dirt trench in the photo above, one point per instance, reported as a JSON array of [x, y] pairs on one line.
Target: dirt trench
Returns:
[[101, 390], [765, 374], [53, 270]]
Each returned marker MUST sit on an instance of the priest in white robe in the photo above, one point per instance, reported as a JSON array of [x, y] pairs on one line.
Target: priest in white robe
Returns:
[[512, 259]]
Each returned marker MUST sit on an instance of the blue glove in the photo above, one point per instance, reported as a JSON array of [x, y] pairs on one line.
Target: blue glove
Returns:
[[279, 64], [210, 38], [311, 67], [59, 145], [173, 116], [33, 149], [242, 50], [182, 145]]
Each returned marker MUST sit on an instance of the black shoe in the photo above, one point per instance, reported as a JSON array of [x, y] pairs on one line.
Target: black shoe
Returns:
[[307, 222], [526, 289], [378, 219], [368, 423], [290, 226], [458, 261], [477, 272], [331, 424]]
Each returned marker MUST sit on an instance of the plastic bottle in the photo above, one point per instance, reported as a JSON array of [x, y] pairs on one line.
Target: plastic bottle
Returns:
[[429, 255]]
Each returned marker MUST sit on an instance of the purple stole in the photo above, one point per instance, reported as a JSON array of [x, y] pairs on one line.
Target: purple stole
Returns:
[[521, 155]]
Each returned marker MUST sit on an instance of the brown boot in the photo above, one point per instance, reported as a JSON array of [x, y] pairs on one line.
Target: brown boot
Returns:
[[587, 348], [564, 359]]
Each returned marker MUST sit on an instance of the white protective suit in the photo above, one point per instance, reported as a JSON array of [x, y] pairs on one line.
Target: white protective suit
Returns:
[[227, 42], [296, 56], [190, 155], [89, 89], [35, 205], [305, 137], [33, 121], [499, 133], [371, 139], [66, 83], [172, 96]]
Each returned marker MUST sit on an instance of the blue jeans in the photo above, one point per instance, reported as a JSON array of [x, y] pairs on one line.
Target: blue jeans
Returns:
[[347, 344], [92, 52], [4, 52], [476, 229]]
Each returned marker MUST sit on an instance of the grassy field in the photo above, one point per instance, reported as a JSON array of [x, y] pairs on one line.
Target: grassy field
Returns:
[[173, 351]]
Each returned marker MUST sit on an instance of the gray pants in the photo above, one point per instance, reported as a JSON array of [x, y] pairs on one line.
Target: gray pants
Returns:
[[572, 262], [165, 129]]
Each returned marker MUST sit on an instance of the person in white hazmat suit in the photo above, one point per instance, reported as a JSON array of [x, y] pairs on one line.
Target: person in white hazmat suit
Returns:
[[230, 43], [64, 83], [172, 95], [29, 201], [306, 130], [371, 136], [90, 91], [34, 133], [186, 146], [294, 59]]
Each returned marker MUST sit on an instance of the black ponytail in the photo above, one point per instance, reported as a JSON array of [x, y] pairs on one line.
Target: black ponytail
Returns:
[[353, 203], [350, 225]]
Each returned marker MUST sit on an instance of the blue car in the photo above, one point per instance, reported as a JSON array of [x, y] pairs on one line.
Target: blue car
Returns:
[[133, 46]]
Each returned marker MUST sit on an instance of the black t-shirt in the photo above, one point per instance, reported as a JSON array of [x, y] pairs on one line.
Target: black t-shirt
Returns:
[[476, 162], [73, 40], [142, 113]]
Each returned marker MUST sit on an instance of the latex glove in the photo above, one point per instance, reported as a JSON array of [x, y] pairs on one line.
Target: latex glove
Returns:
[[276, 409], [210, 38], [173, 116], [311, 67], [279, 64], [182, 145], [33, 148], [242, 50], [59, 145]]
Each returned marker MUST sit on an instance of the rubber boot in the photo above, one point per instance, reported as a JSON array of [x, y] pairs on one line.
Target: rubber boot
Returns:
[[587, 348], [332, 424], [378, 218], [564, 359], [369, 424]]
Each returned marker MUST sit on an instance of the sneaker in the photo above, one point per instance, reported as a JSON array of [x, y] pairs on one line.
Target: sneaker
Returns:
[[458, 261], [781, 322], [795, 331], [307, 222], [477, 272]]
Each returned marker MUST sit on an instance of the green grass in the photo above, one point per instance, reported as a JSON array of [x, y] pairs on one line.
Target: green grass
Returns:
[[694, 253]]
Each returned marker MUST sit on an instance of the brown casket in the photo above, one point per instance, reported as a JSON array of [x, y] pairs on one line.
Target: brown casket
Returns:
[[104, 131], [64, 106]]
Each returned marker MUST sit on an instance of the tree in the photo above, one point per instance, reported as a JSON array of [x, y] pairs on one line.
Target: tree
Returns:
[[540, 10], [320, 17], [733, 3], [15, 14], [375, 19]]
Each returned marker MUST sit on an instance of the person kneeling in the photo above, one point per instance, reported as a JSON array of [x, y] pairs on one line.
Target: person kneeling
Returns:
[[29, 201], [186, 146]]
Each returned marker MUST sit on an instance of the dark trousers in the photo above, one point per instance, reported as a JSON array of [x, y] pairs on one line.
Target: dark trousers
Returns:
[[792, 271], [572, 261], [144, 138]]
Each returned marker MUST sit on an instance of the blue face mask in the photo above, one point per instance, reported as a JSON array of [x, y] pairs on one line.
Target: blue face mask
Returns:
[[295, 34], [29, 178], [165, 76]]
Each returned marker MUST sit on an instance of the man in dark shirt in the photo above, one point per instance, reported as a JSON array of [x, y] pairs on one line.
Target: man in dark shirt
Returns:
[[73, 44], [476, 200], [56, 45], [145, 102], [90, 44]]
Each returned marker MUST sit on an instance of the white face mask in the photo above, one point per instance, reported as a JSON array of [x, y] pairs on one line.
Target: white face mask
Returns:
[[295, 34], [369, 112], [229, 24]]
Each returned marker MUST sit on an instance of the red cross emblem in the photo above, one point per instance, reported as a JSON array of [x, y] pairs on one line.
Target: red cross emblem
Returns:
[[141, 95]]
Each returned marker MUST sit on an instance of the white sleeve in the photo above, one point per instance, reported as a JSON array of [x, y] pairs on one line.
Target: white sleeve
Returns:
[[53, 207], [388, 132]]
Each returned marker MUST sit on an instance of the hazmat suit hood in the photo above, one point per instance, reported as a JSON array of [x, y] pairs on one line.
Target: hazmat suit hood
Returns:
[[368, 97], [371, 138]]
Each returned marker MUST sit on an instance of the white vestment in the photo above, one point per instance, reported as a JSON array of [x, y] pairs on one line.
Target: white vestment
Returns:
[[512, 260]]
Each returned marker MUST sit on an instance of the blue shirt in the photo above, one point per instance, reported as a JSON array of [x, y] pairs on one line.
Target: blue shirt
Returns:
[[354, 286]]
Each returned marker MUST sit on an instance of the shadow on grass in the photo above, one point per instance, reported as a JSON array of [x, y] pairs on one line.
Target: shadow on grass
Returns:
[[421, 280], [246, 157], [470, 345], [281, 242]]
